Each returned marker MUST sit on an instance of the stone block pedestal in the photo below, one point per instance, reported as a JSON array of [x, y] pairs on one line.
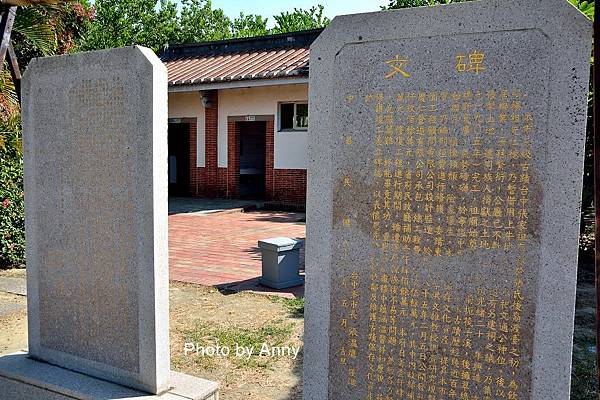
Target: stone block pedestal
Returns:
[[22, 378], [281, 262]]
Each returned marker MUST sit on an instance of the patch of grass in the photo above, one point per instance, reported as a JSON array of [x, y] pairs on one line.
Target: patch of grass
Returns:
[[275, 333], [584, 381], [294, 307], [583, 377]]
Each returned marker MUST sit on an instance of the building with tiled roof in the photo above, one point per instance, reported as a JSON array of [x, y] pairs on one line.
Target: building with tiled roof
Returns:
[[238, 117]]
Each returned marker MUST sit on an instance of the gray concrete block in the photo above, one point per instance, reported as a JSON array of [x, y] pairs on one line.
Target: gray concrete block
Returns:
[[281, 262]]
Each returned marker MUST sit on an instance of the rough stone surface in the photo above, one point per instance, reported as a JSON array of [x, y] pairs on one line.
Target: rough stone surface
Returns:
[[22, 378], [95, 148], [444, 189]]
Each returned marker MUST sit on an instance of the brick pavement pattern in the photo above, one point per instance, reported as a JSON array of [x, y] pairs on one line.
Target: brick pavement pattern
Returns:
[[222, 249]]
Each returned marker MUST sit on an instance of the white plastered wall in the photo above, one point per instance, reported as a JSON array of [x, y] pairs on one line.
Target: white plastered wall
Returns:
[[189, 105], [290, 147]]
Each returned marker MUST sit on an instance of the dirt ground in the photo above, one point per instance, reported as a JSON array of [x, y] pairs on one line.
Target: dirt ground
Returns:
[[203, 315], [13, 323], [13, 317], [207, 317]]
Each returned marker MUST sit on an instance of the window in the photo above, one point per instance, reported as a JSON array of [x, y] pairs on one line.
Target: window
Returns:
[[293, 116]]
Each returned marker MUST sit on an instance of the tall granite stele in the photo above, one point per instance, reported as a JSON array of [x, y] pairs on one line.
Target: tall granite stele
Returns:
[[444, 188], [95, 156]]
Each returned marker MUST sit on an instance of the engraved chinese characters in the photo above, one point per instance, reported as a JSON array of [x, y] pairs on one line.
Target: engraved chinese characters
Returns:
[[451, 174], [451, 170], [94, 193], [440, 148]]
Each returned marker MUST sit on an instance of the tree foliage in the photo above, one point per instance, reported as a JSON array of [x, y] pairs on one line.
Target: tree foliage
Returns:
[[155, 24], [39, 30], [249, 25], [127, 22], [586, 7], [42, 30], [200, 22], [49, 29], [12, 213], [300, 19]]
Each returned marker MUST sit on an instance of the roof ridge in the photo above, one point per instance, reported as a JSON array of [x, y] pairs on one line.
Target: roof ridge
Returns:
[[299, 40]]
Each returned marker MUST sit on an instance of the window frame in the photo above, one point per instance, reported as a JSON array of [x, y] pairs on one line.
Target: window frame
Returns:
[[295, 127]]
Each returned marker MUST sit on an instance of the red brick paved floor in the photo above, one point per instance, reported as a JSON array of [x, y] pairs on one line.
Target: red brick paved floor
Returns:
[[222, 249]]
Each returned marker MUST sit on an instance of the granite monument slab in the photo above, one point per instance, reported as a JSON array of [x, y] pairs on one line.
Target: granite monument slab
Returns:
[[96, 217], [444, 187], [95, 161]]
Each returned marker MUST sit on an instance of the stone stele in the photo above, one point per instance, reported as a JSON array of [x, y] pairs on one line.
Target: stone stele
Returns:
[[444, 187], [95, 156]]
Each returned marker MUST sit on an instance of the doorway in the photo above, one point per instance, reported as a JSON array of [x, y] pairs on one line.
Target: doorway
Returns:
[[179, 159], [252, 148]]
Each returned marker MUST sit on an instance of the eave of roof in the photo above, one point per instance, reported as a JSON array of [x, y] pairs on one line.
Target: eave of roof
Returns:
[[240, 60]]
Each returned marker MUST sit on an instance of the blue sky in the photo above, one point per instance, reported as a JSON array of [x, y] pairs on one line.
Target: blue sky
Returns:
[[268, 8]]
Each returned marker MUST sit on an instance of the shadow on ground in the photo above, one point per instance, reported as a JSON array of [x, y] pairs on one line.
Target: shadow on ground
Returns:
[[253, 286], [191, 205]]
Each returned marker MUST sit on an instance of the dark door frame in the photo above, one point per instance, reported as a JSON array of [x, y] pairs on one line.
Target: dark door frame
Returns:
[[183, 128], [233, 152]]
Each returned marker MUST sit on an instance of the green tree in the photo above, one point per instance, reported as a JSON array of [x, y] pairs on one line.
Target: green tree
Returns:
[[586, 7], [129, 22], [12, 213], [39, 30], [249, 25], [44, 30], [300, 19], [200, 22], [155, 24]]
